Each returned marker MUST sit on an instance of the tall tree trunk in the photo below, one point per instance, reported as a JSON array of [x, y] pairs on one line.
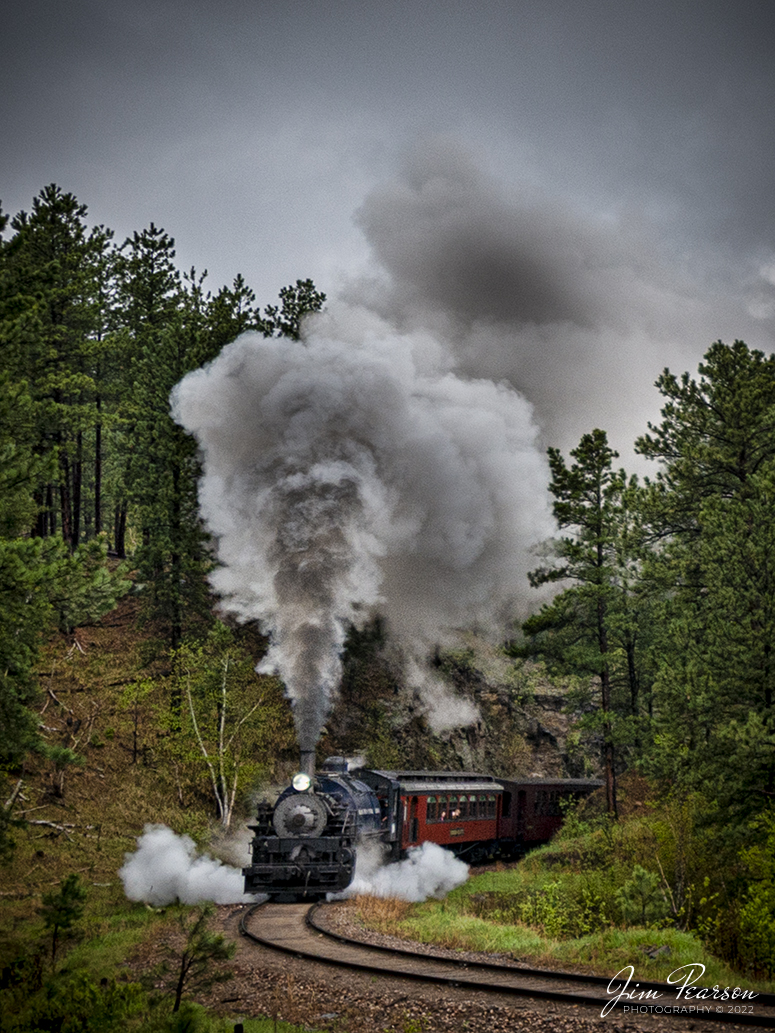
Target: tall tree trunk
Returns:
[[768, 711], [77, 482], [632, 677], [98, 469], [50, 511], [119, 529], [43, 518], [609, 759], [65, 498], [176, 629]]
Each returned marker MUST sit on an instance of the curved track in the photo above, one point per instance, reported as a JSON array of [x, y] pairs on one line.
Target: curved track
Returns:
[[291, 928]]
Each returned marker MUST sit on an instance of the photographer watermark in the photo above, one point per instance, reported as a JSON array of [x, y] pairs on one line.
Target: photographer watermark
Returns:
[[686, 999]]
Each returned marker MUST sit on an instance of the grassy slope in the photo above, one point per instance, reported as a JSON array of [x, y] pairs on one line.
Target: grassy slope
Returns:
[[107, 799], [450, 923], [124, 782], [559, 908]]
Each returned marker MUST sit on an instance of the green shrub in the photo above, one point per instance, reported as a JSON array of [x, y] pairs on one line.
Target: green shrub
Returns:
[[563, 914], [62, 910], [640, 899], [757, 910], [562, 909], [77, 1004]]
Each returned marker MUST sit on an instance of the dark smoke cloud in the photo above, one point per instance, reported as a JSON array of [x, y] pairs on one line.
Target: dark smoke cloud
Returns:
[[579, 313], [391, 461], [450, 238]]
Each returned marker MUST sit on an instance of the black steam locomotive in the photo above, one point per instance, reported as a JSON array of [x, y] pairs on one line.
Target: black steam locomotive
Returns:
[[305, 845]]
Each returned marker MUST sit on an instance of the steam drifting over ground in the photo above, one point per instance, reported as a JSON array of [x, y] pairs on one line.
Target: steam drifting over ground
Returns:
[[355, 470], [167, 867], [427, 871]]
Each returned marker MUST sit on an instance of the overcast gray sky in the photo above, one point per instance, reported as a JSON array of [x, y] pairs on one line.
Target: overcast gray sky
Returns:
[[574, 193]]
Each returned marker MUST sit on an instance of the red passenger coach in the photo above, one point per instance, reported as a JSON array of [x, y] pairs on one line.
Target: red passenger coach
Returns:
[[457, 810], [305, 844], [475, 816], [532, 809]]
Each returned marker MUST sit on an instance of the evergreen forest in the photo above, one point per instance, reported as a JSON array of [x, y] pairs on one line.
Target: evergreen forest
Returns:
[[115, 664]]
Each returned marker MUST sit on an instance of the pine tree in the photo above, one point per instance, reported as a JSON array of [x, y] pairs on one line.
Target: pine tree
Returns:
[[41, 582], [166, 317], [708, 514], [295, 302], [24, 607], [147, 297], [590, 625], [49, 317], [48, 271], [232, 312], [62, 910], [198, 966]]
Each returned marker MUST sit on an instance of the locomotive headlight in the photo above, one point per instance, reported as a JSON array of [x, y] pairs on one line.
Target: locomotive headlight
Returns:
[[301, 782]]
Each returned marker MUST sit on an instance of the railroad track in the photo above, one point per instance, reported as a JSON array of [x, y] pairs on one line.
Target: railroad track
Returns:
[[292, 928]]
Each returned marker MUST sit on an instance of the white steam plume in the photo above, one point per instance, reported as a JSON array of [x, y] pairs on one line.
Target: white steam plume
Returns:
[[355, 470], [166, 867], [427, 871]]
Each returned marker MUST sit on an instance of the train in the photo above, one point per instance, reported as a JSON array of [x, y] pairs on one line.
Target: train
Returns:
[[304, 847]]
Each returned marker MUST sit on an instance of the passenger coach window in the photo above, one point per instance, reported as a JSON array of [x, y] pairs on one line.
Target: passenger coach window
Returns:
[[454, 809], [431, 811], [491, 806]]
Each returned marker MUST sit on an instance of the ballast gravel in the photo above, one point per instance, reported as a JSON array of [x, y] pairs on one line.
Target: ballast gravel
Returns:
[[316, 996]]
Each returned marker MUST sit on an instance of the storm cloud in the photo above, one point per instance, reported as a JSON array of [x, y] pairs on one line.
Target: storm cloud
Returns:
[[572, 195]]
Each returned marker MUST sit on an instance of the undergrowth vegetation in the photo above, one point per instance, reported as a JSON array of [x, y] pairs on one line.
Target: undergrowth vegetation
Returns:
[[75, 954], [117, 966], [657, 889]]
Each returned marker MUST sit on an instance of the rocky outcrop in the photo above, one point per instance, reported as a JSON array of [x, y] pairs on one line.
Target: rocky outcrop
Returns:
[[526, 723]]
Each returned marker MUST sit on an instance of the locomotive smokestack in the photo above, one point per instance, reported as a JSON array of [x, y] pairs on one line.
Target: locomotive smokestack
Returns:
[[308, 762]]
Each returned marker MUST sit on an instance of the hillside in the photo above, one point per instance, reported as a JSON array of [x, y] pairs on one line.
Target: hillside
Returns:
[[108, 694], [103, 696]]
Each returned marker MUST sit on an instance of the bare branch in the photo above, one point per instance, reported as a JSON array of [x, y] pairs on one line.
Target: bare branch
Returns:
[[13, 797]]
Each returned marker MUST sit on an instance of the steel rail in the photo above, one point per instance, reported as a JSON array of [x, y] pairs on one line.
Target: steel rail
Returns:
[[298, 935]]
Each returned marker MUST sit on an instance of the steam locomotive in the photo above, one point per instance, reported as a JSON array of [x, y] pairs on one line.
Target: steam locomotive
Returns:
[[305, 846]]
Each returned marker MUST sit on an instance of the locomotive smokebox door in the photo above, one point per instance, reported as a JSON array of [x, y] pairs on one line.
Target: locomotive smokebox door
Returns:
[[302, 815]]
